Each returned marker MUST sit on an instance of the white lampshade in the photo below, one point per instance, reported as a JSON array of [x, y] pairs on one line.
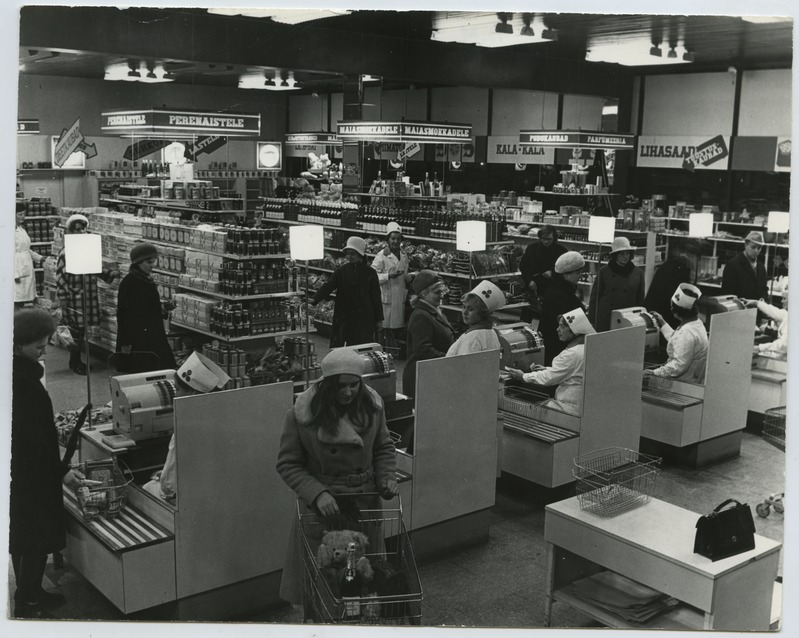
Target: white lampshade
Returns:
[[601, 229], [83, 254], [778, 222], [700, 224], [306, 242], [470, 236]]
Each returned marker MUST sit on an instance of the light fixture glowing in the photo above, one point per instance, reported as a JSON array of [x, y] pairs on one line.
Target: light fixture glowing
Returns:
[[766, 19], [655, 50], [137, 72], [634, 52], [672, 53], [482, 29], [503, 26], [286, 16]]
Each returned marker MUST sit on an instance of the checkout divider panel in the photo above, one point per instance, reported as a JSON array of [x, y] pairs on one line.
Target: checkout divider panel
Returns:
[[729, 372], [455, 437], [614, 363], [233, 509]]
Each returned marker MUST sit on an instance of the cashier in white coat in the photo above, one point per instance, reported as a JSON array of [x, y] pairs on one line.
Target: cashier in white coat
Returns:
[[198, 375], [391, 265], [780, 317], [687, 343], [568, 367], [478, 306]]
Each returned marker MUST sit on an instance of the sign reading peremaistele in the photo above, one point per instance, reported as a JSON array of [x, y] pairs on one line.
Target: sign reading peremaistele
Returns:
[[403, 131], [180, 123], [577, 139]]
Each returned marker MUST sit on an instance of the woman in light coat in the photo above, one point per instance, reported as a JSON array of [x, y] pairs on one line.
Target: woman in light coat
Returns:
[[391, 265], [567, 369], [334, 442], [24, 259]]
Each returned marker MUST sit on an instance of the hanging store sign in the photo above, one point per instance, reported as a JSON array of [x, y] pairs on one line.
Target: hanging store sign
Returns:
[[205, 145], [409, 150], [454, 153], [682, 151], [302, 150], [577, 139], [422, 132], [143, 148], [319, 137], [180, 124], [506, 149], [66, 148], [27, 127], [392, 150]]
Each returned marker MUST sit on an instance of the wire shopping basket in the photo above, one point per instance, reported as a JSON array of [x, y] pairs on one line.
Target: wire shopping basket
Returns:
[[105, 495], [614, 480], [774, 427], [393, 596]]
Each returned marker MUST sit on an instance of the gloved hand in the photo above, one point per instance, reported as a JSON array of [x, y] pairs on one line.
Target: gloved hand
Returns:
[[389, 489]]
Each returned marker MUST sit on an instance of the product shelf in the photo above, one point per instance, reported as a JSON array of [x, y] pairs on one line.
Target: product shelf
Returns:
[[222, 295], [264, 335]]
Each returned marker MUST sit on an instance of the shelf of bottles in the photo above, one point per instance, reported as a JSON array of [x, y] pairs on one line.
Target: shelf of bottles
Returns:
[[40, 218]]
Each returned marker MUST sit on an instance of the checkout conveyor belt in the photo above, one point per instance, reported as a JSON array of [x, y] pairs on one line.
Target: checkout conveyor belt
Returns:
[[535, 429], [668, 399]]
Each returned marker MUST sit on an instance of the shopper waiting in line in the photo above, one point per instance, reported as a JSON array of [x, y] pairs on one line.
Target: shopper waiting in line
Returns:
[[478, 306], [24, 259], [687, 344], [71, 293], [429, 332], [568, 368], [780, 317], [745, 276], [671, 273], [618, 284], [391, 265], [706, 307], [537, 267], [37, 524], [335, 442], [561, 297], [140, 315], [358, 311]]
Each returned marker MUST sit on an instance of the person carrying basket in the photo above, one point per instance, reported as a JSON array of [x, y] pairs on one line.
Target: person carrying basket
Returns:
[[335, 442]]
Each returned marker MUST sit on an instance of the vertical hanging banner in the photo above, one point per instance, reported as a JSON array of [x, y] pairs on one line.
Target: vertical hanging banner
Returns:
[[70, 141]]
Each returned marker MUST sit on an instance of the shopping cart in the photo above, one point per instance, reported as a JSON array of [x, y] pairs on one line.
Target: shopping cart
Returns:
[[774, 433], [395, 594], [614, 480]]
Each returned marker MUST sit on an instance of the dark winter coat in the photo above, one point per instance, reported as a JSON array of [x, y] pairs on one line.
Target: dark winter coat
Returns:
[[140, 320], [670, 274], [561, 297], [358, 306], [741, 280], [614, 288], [429, 336], [538, 259], [37, 523]]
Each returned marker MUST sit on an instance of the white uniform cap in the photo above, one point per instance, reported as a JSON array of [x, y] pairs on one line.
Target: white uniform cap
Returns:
[[685, 296], [490, 294], [202, 374]]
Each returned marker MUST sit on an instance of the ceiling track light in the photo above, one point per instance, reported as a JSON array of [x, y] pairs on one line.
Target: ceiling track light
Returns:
[[527, 19], [502, 25], [688, 56], [655, 50], [672, 53]]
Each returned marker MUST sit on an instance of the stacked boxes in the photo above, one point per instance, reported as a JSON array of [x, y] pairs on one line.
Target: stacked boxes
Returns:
[[193, 310]]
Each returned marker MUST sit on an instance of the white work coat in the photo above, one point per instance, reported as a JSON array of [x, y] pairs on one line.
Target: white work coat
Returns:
[[392, 291], [780, 344], [567, 372], [25, 288], [687, 352], [475, 341]]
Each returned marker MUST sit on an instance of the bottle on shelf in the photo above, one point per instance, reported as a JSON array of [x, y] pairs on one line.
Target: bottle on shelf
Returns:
[[350, 586], [426, 185]]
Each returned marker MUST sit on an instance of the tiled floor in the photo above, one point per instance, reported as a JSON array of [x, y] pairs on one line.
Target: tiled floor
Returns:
[[499, 583]]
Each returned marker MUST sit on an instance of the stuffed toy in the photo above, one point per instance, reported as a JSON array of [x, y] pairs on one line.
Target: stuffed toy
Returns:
[[331, 558]]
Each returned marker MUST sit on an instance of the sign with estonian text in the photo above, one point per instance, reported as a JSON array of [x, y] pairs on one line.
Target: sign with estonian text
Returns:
[[506, 149], [67, 143], [318, 137], [409, 150], [577, 139], [207, 144], [683, 151], [422, 132], [302, 150], [180, 124], [27, 127]]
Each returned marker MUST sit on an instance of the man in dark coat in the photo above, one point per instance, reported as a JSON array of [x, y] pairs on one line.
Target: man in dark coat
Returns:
[[671, 273], [536, 266], [358, 313], [744, 276], [560, 298], [140, 315], [37, 525]]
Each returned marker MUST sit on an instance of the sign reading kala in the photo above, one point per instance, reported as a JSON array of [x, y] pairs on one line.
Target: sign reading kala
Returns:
[[506, 149], [177, 124], [577, 139], [687, 152], [404, 132]]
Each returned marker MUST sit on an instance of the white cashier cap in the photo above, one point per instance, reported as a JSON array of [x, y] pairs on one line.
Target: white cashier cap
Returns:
[[202, 374], [578, 323], [490, 294], [685, 296]]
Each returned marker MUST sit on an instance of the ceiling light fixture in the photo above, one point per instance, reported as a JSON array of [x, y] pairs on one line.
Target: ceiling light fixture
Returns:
[[655, 50], [285, 16], [527, 30], [633, 52], [502, 25], [766, 19], [672, 53], [137, 72], [482, 29]]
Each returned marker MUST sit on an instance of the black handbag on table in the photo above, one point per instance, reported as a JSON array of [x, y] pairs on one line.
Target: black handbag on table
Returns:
[[725, 532]]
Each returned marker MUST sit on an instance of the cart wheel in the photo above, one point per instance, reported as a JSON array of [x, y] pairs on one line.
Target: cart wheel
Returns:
[[763, 510], [779, 506]]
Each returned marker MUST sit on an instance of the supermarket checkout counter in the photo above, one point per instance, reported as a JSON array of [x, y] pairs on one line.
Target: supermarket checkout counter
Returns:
[[696, 424], [769, 387], [194, 554]]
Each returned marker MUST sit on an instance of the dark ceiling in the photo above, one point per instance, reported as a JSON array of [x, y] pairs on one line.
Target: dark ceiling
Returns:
[[199, 48]]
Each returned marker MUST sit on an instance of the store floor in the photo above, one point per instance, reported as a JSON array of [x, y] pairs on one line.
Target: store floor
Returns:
[[499, 583]]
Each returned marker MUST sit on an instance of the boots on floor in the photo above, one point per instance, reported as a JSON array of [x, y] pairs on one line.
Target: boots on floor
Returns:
[[75, 364]]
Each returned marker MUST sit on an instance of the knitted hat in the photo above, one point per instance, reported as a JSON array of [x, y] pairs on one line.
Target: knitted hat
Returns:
[[21, 207], [77, 217], [569, 262], [202, 374], [142, 252], [620, 244], [357, 244], [342, 361], [489, 294], [578, 322], [424, 279], [32, 324], [685, 296], [393, 227], [755, 237]]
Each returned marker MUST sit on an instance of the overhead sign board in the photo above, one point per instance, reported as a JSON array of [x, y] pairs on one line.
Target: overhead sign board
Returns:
[[27, 127], [690, 152], [175, 124], [403, 131], [576, 139], [319, 137], [506, 149]]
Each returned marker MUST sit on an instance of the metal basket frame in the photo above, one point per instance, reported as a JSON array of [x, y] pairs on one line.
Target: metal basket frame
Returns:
[[102, 501], [614, 480], [388, 540], [774, 426]]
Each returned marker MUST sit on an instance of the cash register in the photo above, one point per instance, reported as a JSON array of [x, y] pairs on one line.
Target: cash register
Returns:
[[142, 404], [521, 346], [730, 302], [638, 316]]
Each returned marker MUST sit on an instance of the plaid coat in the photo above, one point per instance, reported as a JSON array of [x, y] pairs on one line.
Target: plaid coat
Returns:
[[69, 289]]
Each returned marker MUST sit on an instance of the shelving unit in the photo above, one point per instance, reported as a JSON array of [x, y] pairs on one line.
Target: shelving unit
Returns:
[[39, 224]]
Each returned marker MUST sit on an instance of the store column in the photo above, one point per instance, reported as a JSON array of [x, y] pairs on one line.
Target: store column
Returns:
[[352, 154]]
